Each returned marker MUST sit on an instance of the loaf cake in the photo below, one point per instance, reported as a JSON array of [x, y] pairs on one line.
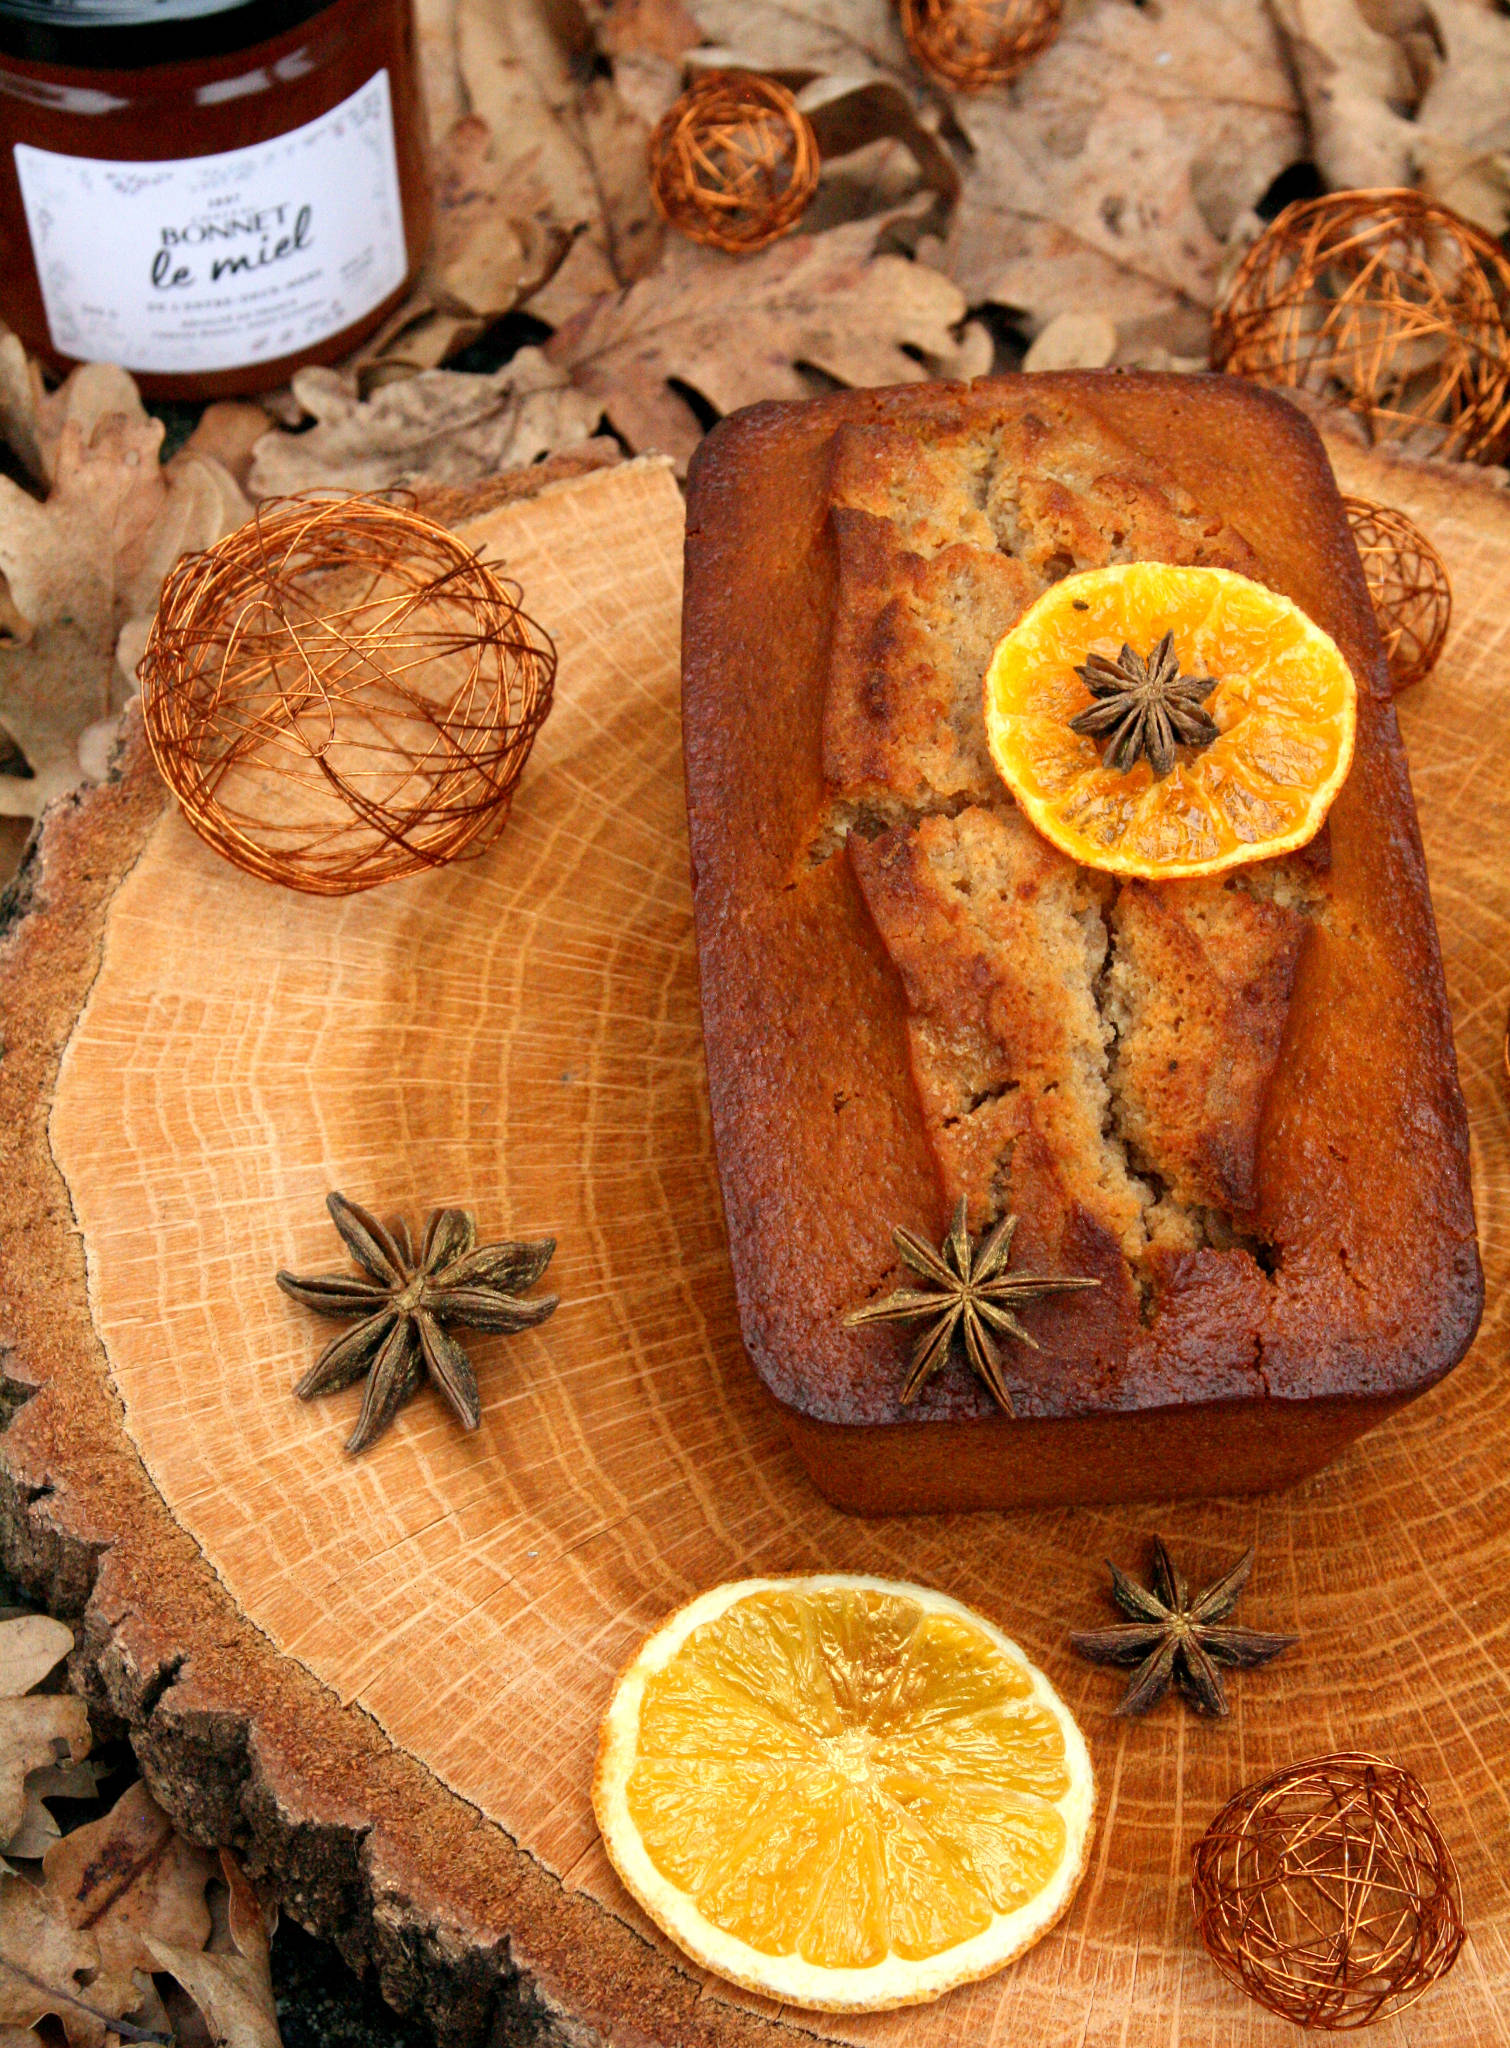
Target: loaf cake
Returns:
[[1232, 1100]]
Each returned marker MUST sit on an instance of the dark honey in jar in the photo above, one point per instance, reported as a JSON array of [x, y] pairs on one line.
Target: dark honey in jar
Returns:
[[209, 194]]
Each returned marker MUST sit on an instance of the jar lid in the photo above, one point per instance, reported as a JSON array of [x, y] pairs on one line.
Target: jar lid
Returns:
[[128, 35]]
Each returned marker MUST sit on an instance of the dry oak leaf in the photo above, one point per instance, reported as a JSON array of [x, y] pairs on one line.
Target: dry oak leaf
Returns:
[[38, 1831], [46, 1965], [657, 28], [231, 1986], [81, 564], [739, 329], [617, 140], [31, 1646], [37, 1734], [487, 253], [850, 114], [1463, 150], [439, 72], [1108, 178], [121, 1899], [850, 38], [227, 432], [32, 417], [572, 158], [1402, 92], [130, 1880], [443, 426], [1358, 88]]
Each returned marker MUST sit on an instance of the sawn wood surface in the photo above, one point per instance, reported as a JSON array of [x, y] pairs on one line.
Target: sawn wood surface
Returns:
[[384, 1676]]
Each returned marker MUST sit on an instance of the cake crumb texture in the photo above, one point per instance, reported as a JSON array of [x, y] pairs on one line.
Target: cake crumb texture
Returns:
[[1134, 1028], [1197, 996]]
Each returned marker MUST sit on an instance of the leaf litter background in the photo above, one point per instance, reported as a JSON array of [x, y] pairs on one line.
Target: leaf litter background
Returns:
[[1087, 215]]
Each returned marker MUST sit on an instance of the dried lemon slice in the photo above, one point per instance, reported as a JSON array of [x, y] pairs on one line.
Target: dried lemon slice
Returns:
[[1283, 706], [843, 1792]]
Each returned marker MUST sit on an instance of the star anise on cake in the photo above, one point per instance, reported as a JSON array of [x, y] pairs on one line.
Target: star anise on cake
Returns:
[[406, 1306], [1174, 1638], [967, 1290], [1144, 707]]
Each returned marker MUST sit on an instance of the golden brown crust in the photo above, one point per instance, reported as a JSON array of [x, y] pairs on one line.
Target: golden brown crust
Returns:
[[822, 1142]]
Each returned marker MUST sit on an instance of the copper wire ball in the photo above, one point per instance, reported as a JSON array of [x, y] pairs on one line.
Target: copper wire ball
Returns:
[[1327, 1892], [340, 693], [973, 44], [1408, 582], [1384, 302], [733, 163]]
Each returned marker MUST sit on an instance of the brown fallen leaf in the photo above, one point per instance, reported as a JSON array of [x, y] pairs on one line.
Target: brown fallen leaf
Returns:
[[1402, 92], [120, 1899], [31, 1646], [1359, 92], [32, 418], [523, 68], [487, 253], [439, 72], [39, 1733], [80, 564], [849, 114], [232, 1989], [647, 83], [1073, 341], [658, 28], [1109, 179], [617, 140], [442, 426], [846, 38], [227, 432], [737, 329], [23, 397], [129, 1880], [35, 1733], [1463, 149], [46, 1965], [38, 1830]]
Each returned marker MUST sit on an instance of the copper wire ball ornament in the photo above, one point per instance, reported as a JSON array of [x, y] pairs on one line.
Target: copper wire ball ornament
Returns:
[[1409, 585], [973, 44], [733, 163], [1385, 302], [341, 693], [1327, 1892]]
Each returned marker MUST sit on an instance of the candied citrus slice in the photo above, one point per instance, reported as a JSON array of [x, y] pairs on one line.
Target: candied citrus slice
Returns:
[[1284, 706], [843, 1792]]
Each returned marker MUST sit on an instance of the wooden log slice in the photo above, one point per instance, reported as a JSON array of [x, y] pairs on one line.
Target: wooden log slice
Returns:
[[381, 1678]]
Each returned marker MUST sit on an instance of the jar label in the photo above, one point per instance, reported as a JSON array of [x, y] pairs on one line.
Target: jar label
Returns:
[[217, 262]]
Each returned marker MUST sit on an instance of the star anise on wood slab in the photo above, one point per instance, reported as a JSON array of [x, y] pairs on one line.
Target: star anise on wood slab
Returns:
[[1172, 1637], [1144, 707], [405, 1305], [965, 1290]]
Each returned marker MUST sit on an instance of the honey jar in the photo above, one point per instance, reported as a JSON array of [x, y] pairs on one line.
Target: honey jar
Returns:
[[208, 193]]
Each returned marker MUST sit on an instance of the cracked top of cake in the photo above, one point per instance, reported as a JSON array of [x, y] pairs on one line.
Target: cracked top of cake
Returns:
[[910, 996]]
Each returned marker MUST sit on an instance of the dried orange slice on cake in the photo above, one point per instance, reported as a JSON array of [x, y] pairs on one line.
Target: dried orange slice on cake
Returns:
[[1166, 722], [843, 1792]]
